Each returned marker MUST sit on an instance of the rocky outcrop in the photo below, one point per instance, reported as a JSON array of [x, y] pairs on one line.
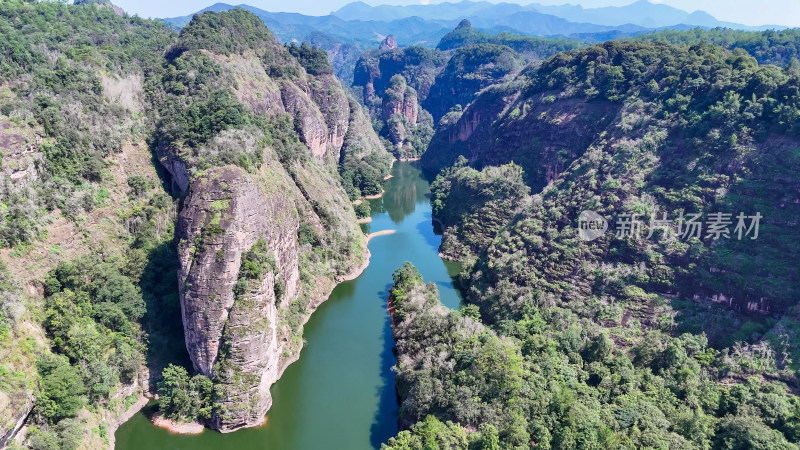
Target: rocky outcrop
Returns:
[[469, 70], [401, 100], [418, 66], [237, 326], [389, 43], [235, 336], [544, 136], [224, 215], [243, 300], [319, 106], [18, 410]]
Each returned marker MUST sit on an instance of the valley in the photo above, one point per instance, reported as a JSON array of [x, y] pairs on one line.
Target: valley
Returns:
[[443, 226]]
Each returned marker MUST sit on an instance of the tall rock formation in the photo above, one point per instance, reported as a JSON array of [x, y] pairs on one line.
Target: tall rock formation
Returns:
[[260, 172], [388, 44]]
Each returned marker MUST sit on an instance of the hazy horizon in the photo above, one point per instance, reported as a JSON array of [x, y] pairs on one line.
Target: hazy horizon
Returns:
[[746, 12]]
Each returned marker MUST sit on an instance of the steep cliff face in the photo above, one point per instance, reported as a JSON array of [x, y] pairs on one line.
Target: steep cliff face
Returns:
[[626, 142], [543, 135], [469, 70], [388, 44], [400, 99], [263, 194], [375, 69], [318, 107], [232, 330]]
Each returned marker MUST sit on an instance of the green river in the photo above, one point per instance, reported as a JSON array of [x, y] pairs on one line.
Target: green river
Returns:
[[340, 393]]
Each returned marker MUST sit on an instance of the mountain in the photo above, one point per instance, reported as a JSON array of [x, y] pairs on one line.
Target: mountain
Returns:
[[290, 27], [641, 13], [425, 25], [148, 176], [595, 314]]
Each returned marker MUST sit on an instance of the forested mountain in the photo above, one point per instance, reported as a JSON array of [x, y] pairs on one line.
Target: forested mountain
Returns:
[[465, 62], [768, 47], [661, 325], [149, 176], [86, 226]]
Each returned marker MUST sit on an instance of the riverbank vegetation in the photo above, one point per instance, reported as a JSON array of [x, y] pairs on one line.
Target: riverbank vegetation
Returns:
[[549, 379], [641, 340]]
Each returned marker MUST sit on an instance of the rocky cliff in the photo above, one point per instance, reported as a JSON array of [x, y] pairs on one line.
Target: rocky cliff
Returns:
[[417, 65], [234, 331], [266, 227], [469, 70]]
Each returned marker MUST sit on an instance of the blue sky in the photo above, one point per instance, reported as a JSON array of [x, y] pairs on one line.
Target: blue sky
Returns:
[[748, 12]]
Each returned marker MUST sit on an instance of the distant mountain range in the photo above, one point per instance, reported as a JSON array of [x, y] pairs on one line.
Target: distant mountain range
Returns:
[[367, 25], [642, 13]]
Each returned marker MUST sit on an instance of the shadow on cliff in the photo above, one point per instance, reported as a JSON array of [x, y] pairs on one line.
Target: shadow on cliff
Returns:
[[384, 425], [162, 322], [159, 284]]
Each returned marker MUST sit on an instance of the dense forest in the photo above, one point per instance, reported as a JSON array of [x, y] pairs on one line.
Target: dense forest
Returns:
[[548, 378], [645, 339], [768, 47]]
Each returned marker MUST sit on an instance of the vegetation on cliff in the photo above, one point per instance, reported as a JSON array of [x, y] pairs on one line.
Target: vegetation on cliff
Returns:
[[89, 289], [260, 243], [468, 71], [767, 47], [654, 339], [59, 113], [91, 241], [549, 379]]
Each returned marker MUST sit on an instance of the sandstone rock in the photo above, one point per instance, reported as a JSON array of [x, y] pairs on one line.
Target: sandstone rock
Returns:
[[389, 43], [225, 214]]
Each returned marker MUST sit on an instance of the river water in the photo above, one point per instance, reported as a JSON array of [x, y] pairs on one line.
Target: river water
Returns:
[[340, 393]]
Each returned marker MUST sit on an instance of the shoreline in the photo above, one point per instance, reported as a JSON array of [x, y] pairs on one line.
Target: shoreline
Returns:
[[125, 416], [380, 233], [364, 220], [375, 196], [194, 428], [176, 427]]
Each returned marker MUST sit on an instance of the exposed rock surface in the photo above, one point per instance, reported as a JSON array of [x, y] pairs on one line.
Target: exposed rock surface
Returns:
[[388, 44], [225, 214], [401, 100], [542, 137], [244, 326], [469, 70], [417, 65]]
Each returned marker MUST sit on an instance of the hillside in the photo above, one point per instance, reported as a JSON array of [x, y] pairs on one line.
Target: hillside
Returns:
[[636, 139], [86, 224], [132, 160], [551, 379], [642, 135], [266, 228]]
